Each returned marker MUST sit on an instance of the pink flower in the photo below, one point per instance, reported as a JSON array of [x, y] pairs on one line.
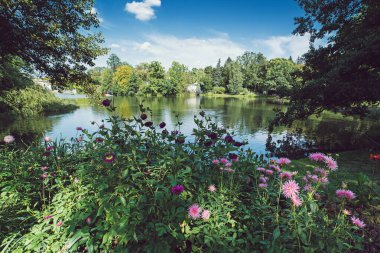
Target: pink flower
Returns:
[[59, 223], [308, 188], [177, 189], [216, 161], [47, 138], [283, 160], [263, 180], [357, 222], [290, 189], [286, 175], [228, 165], [79, 128], [9, 139], [205, 214], [212, 188], [80, 138], [228, 170], [296, 200], [88, 220], [224, 160], [314, 178], [346, 212], [318, 157], [275, 167], [43, 168], [349, 195], [269, 172], [45, 175], [48, 217], [331, 163], [195, 211], [263, 185], [260, 169], [49, 148]]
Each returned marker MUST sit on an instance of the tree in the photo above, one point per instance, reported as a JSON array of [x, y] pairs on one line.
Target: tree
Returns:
[[113, 62], [226, 72], [279, 76], [235, 82], [135, 82], [207, 81], [217, 77], [343, 75], [106, 80], [176, 76], [253, 69], [53, 37], [121, 78]]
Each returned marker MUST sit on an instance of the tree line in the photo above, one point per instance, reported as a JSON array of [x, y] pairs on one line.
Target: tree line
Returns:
[[250, 72]]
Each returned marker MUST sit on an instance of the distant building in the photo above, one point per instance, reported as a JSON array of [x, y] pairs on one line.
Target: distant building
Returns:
[[194, 88]]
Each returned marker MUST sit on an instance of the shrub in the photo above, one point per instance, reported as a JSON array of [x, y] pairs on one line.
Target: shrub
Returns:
[[218, 90], [136, 187]]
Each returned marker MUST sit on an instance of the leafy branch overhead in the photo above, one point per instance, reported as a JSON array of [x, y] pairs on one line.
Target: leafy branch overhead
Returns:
[[55, 37]]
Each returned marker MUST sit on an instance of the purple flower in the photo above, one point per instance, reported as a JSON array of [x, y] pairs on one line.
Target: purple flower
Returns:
[[99, 140], [232, 156], [238, 144], [177, 189], [162, 124], [148, 124], [180, 140], [79, 129], [143, 116], [213, 136], [208, 143], [49, 148], [106, 102], [46, 154], [109, 157], [229, 138]]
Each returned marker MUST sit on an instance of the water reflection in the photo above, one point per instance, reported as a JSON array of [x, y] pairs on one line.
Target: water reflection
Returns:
[[248, 118]]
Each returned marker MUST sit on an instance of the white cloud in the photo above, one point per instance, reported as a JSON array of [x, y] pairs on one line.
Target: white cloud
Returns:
[[143, 10], [193, 51], [114, 45], [283, 46]]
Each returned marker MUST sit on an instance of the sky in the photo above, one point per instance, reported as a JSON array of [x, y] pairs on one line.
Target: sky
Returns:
[[198, 32]]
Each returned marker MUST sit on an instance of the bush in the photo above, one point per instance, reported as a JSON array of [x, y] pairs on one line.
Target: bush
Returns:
[[136, 187], [218, 90], [34, 100]]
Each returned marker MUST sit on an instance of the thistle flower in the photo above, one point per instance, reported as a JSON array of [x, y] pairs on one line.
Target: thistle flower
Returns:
[[109, 157], [286, 175], [215, 161], [269, 172], [177, 189], [331, 163], [224, 160], [263, 180], [148, 124], [283, 160], [143, 116], [261, 169], [212, 136], [263, 185], [233, 156], [228, 165], [212, 188], [296, 200], [106, 102], [349, 195], [318, 157], [346, 212], [162, 124], [79, 128], [195, 211], [205, 214], [290, 189], [357, 222], [9, 139]]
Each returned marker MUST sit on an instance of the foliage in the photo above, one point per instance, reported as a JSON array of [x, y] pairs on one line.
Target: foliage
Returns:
[[33, 101], [235, 78], [113, 62], [52, 36], [121, 78], [344, 74], [112, 190]]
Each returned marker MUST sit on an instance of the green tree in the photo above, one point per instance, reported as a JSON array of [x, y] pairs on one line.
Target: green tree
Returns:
[[135, 82], [121, 78], [176, 78], [226, 72], [343, 75], [217, 76], [106, 80], [253, 69], [113, 62], [207, 79], [235, 82], [279, 76], [53, 37]]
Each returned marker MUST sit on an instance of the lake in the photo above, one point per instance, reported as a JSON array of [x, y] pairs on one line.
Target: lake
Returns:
[[247, 117]]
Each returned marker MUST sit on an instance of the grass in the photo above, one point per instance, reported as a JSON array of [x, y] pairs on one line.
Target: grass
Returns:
[[249, 95]]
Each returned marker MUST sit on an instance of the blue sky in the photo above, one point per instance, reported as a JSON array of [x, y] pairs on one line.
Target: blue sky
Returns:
[[198, 32]]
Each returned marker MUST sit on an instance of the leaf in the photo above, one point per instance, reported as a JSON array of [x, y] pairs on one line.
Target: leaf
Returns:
[[276, 233]]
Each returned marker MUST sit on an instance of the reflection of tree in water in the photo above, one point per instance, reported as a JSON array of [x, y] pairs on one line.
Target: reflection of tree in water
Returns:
[[27, 131], [327, 135]]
